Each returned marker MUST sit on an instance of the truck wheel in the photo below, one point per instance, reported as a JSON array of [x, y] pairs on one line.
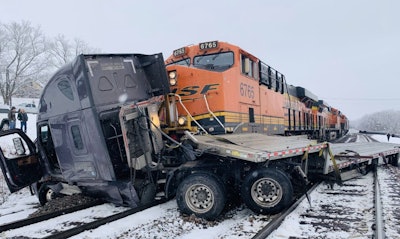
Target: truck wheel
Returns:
[[45, 194], [267, 191], [202, 195]]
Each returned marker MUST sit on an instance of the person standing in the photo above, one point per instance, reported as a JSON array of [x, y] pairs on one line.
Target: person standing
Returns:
[[22, 117], [11, 118]]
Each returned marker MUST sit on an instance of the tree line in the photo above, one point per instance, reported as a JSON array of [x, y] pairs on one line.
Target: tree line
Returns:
[[385, 121], [28, 56]]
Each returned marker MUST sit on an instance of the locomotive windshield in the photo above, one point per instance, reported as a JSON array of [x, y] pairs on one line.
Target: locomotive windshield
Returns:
[[214, 62], [183, 62]]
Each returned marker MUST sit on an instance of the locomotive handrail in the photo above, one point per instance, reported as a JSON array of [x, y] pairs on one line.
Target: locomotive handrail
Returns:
[[212, 113], [183, 106]]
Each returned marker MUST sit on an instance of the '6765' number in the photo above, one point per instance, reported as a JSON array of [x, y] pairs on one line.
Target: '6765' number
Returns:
[[247, 90]]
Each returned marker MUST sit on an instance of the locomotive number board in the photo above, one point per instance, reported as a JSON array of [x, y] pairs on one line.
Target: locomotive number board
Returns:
[[208, 45]]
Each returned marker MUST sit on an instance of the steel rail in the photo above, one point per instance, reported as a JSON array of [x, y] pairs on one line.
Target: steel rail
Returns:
[[276, 222], [95, 224], [36, 219], [379, 221]]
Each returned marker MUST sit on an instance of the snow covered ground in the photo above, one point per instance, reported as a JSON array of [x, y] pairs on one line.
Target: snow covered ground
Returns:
[[297, 222], [163, 221], [31, 124]]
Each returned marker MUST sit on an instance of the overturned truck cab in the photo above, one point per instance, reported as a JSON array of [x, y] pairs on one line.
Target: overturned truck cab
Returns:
[[94, 132]]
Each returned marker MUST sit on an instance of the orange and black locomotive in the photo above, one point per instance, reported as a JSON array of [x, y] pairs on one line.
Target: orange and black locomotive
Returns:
[[221, 88]]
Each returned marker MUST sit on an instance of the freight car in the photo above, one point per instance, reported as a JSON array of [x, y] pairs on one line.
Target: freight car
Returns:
[[101, 131], [225, 89]]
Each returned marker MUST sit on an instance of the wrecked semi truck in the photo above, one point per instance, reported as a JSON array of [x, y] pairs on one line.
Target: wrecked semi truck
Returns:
[[79, 133], [100, 132]]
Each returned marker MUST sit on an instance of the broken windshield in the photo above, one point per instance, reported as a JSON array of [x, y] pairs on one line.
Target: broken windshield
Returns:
[[214, 62], [183, 62]]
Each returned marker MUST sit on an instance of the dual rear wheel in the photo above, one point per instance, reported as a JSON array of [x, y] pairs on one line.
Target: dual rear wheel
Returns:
[[267, 191], [264, 191], [201, 194]]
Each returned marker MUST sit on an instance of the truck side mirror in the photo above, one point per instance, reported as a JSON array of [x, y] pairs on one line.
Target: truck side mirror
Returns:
[[19, 147]]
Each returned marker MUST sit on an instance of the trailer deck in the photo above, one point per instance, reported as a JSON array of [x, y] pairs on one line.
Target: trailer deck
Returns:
[[347, 154], [344, 159], [256, 147]]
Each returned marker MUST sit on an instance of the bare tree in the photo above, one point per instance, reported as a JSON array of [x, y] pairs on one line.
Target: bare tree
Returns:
[[60, 51], [63, 50], [22, 57]]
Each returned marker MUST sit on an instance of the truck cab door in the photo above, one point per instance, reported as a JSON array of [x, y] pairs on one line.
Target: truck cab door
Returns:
[[18, 160]]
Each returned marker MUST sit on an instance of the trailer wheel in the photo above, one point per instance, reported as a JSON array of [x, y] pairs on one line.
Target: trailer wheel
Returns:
[[45, 194], [267, 191], [201, 194]]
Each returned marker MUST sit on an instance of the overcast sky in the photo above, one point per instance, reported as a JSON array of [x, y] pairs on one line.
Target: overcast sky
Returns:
[[347, 52]]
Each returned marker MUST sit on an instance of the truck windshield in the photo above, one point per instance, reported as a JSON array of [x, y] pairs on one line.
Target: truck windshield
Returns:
[[214, 62]]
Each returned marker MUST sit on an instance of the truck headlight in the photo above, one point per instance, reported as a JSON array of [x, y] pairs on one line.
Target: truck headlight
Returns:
[[172, 77]]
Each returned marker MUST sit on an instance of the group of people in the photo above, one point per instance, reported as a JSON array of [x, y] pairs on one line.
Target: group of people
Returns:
[[22, 116]]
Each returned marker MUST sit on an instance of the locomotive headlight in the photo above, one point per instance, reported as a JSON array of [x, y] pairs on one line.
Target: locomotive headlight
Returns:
[[172, 77], [181, 121]]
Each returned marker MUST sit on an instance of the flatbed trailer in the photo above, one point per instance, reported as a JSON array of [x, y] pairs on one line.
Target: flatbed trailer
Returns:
[[348, 160], [257, 148], [267, 170], [263, 171]]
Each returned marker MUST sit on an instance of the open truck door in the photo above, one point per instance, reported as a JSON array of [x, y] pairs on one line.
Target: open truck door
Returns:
[[19, 161]]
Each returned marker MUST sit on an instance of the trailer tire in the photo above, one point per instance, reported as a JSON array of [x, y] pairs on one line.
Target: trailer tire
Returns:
[[45, 194], [201, 194], [267, 191]]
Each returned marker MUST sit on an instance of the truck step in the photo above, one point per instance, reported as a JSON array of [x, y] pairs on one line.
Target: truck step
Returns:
[[162, 181], [160, 195]]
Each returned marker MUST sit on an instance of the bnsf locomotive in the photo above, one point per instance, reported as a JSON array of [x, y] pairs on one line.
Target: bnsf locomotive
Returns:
[[220, 88]]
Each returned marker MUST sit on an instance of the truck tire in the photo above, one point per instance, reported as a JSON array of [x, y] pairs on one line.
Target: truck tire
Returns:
[[45, 194], [267, 191], [201, 194]]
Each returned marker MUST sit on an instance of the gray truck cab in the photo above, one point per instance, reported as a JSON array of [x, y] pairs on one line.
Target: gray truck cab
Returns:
[[82, 140]]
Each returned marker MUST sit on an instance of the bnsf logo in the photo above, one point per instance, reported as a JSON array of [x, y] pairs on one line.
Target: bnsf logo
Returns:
[[195, 89]]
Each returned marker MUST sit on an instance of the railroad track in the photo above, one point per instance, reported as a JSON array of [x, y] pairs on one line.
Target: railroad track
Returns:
[[44, 217], [354, 137], [278, 219], [388, 225], [367, 207], [69, 222], [334, 211]]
